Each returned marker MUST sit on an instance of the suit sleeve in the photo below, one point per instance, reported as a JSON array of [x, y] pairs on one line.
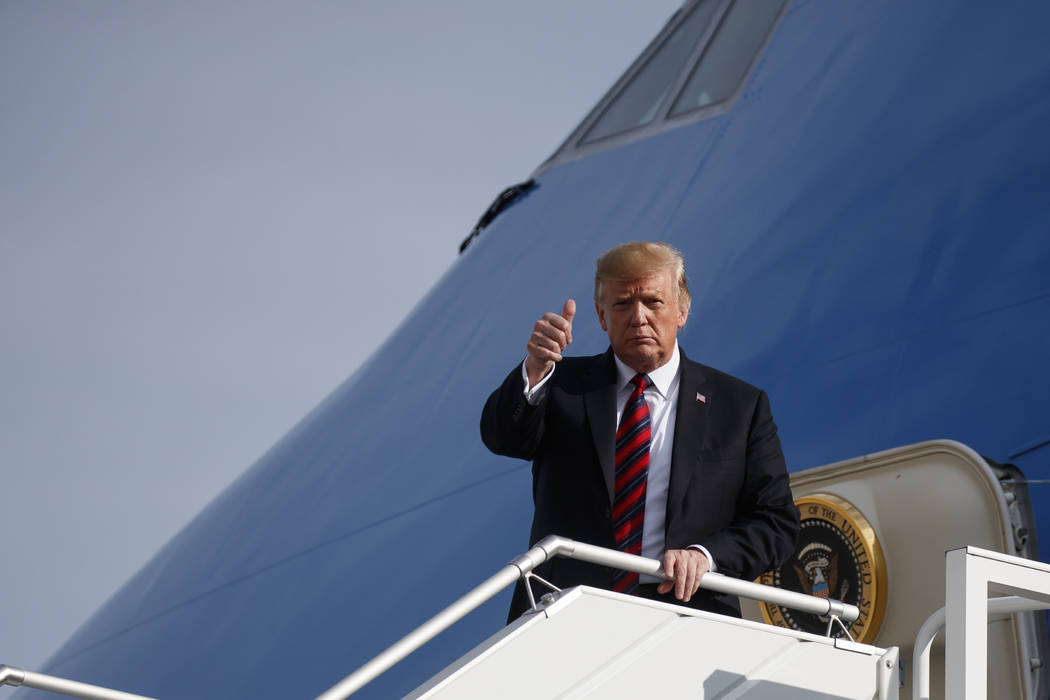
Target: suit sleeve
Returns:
[[510, 425], [764, 531]]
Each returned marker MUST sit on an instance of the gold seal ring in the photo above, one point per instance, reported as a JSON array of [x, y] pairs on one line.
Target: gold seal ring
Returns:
[[838, 556]]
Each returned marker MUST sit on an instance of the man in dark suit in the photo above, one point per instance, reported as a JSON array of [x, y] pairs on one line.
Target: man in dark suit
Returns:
[[641, 449]]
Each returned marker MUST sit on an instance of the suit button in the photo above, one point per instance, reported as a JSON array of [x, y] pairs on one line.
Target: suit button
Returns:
[[608, 512]]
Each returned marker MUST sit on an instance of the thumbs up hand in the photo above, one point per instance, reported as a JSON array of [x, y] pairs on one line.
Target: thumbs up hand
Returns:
[[549, 337]]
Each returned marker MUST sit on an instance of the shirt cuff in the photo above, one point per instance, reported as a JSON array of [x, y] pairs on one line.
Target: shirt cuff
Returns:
[[703, 549], [536, 393]]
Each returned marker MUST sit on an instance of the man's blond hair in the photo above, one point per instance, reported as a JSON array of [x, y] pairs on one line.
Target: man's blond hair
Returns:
[[631, 261]]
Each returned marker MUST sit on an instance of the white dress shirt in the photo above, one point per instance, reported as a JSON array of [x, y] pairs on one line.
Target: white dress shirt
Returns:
[[661, 395]]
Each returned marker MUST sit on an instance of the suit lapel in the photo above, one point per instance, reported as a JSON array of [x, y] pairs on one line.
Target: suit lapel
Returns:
[[599, 398], [690, 431]]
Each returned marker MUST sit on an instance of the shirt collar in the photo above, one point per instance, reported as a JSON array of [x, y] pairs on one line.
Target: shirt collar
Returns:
[[662, 377]]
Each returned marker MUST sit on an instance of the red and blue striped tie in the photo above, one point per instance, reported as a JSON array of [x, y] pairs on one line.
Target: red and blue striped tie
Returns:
[[632, 470]]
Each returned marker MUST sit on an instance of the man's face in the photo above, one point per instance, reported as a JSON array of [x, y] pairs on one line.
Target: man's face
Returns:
[[642, 318]]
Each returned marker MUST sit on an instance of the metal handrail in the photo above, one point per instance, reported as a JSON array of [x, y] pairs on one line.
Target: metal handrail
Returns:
[[74, 689], [554, 546], [920, 655]]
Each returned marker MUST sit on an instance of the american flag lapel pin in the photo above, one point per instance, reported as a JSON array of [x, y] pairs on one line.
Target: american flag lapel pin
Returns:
[[701, 398]]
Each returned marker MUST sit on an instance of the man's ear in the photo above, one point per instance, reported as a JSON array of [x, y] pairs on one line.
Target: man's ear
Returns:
[[601, 317]]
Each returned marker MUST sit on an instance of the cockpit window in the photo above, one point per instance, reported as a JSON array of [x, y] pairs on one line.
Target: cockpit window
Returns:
[[638, 102], [691, 71], [730, 53]]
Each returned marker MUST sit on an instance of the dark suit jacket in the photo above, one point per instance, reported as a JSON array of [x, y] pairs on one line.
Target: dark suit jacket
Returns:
[[728, 486]]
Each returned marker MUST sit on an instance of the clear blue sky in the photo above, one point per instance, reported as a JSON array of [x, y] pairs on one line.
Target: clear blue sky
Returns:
[[210, 214]]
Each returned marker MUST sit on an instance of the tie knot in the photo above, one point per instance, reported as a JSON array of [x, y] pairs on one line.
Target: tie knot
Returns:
[[640, 381]]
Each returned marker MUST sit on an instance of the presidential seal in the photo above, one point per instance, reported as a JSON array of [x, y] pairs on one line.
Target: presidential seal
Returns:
[[839, 557]]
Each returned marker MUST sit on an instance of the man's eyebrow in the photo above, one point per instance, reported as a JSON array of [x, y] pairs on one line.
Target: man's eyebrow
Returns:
[[641, 294]]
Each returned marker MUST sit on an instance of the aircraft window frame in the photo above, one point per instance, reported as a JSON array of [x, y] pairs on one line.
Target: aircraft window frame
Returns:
[[713, 47], [653, 54], [577, 146]]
